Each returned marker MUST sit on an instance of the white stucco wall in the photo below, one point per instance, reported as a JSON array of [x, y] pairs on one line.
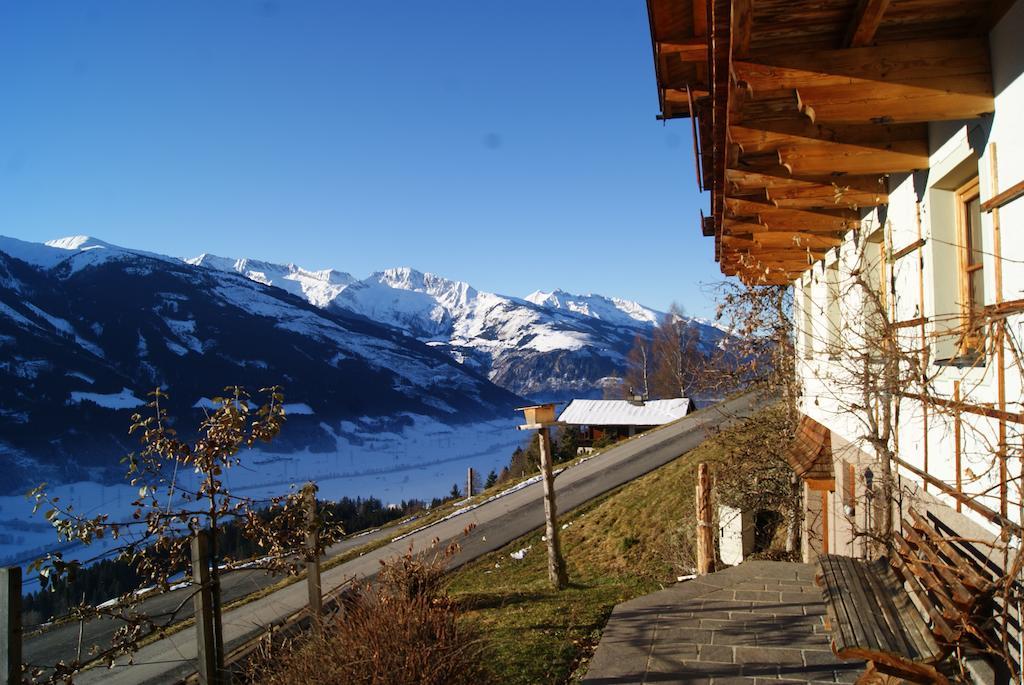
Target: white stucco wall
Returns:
[[958, 150]]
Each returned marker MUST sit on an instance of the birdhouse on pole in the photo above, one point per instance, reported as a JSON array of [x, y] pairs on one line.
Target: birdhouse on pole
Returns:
[[538, 416]]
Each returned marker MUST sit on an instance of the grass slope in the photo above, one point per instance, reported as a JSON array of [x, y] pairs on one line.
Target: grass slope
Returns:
[[633, 541]]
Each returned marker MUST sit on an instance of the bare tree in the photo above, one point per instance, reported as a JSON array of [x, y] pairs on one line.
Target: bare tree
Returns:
[[171, 507], [676, 355], [638, 367]]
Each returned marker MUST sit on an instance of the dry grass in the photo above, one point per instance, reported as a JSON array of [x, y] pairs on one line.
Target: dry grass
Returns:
[[632, 541]]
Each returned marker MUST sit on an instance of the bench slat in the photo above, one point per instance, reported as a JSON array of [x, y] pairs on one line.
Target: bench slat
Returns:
[[901, 616], [866, 608], [969, 573], [961, 596], [939, 625], [927, 579], [835, 607], [871, 614], [916, 622]]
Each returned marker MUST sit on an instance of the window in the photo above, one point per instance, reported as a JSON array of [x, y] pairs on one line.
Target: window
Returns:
[[971, 263]]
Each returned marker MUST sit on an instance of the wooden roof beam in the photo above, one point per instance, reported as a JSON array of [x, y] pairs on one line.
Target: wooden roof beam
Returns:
[[814, 222], [786, 190], [700, 17], [767, 133], [783, 255], [866, 20], [742, 27], [691, 50], [796, 239], [914, 81], [815, 156]]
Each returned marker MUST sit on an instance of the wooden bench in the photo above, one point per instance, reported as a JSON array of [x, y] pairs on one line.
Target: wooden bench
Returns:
[[904, 615]]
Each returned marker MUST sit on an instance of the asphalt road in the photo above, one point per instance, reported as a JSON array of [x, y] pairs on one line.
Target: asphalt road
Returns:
[[497, 523], [60, 642]]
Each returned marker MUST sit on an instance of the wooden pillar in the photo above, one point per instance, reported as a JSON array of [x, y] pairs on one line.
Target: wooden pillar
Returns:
[[469, 482], [316, 606], [999, 335], [705, 537], [556, 564], [956, 445], [206, 657], [10, 625]]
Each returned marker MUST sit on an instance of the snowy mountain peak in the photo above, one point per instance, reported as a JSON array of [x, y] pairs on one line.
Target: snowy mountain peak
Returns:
[[80, 242], [610, 309], [452, 294], [319, 287], [70, 254]]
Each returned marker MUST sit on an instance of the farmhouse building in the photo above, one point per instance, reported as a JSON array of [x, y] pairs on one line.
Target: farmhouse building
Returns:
[[868, 155], [612, 420]]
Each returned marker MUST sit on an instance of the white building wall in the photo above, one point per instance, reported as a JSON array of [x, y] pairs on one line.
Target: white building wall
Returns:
[[922, 204]]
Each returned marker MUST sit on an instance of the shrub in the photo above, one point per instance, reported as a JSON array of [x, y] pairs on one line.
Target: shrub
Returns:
[[402, 631]]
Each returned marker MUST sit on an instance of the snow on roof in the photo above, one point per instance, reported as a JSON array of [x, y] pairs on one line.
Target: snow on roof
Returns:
[[624, 413]]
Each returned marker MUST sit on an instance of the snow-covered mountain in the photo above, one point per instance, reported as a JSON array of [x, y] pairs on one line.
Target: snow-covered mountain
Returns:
[[87, 329], [319, 287], [549, 345]]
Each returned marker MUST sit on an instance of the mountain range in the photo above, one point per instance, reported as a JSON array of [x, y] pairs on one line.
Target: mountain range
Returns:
[[87, 329], [547, 346]]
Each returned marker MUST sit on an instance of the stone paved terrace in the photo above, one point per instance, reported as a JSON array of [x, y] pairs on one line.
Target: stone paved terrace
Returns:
[[759, 623]]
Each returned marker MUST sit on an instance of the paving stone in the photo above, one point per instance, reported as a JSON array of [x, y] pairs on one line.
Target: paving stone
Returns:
[[717, 653], [769, 655], [744, 639], [802, 597], [762, 596], [760, 670], [750, 624], [710, 669], [818, 658], [669, 634]]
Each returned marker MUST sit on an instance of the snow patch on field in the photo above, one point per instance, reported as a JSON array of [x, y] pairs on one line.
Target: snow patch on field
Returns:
[[81, 376], [118, 400], [419, 460]]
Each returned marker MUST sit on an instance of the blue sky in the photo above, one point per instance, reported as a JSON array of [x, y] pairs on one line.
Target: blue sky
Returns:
[[509, 144]]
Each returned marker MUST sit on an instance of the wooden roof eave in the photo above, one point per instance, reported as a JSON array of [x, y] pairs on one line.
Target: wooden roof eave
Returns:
[[809, 109]]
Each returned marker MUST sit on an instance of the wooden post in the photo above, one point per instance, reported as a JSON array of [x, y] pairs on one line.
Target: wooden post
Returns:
[[81, 634], [209, 673], [10, 625], [313, 559], [705, 539], [469, 482], [556, 564]]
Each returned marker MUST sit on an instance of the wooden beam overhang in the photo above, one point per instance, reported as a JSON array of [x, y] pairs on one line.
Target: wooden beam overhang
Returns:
[[915, 81], [802, 219], [810, 149], [803, 109], [805, 192]]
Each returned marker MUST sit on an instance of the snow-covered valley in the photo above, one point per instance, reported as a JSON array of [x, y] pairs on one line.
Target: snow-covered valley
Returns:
[[394, 384], [420, 461]]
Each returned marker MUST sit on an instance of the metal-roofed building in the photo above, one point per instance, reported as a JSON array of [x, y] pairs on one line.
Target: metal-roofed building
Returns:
[[617, 419]]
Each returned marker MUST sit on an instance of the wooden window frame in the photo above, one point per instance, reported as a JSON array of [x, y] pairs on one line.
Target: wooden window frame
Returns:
[[973, 342]]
